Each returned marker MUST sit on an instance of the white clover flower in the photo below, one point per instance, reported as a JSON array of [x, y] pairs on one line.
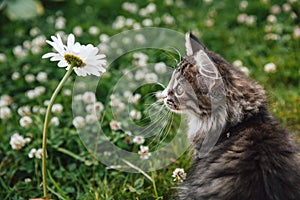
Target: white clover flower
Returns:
[[29, 78], [140, 38], [127, 94], [136, 98], [129, 22], [270, 68], [54, 121], [85, 57], [104, 37], [179, 175], [128, 133], [5, 113], [38, 154], [160, 68], [237, 63], [147, 22], [36, 49], [209, 22], [169, 2], [34, 31], [60, 23], [2, 57], [275, 9], [79, 122], [17, 141], [31, 94], [27, 180], [94, 30], [168, 19], [31, 153], [144, 152], [115, 125], [77, 30], [42, 77], [27, 44], [138, 139], [286, 7], [15, 76], [25, 121], [89, 97], [78, 97], [151, 78], [242, 18], [134, 114], [271, 36], [91, 118], [24, 110], [5, 100], [57, 108], [296, 33], [39, 41], [243, 5], [98, 106], [119, 23], [271, 19], [130, 7], [19, 52], [139, 75], [39, 90], [126, 40], [151, 8], [46, 102], [114, 102], [67, 92], [250, 20], [207, 1], [245, 70], [136, 25]]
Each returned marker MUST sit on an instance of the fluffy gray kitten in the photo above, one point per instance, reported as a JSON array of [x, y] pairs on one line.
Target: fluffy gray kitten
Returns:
[[240, 151]]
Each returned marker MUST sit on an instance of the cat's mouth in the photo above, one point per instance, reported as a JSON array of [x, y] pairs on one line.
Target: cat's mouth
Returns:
[[170, 104]]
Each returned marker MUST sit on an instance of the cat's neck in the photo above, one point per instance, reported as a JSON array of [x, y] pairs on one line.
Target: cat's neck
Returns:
[[208, 126]]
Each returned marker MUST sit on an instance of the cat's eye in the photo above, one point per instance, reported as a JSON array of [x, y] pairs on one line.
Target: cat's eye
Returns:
[[179, 90]]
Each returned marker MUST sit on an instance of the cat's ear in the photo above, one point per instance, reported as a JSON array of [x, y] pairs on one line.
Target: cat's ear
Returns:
[[192, 44], [208, 73]]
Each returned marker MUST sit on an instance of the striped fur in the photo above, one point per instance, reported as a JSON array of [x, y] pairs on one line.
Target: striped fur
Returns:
[[247, 155]]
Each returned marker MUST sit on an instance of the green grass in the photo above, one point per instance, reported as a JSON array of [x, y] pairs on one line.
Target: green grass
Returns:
[[74, 173]]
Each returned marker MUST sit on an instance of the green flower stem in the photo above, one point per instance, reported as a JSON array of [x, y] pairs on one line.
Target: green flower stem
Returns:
[[45, 129]]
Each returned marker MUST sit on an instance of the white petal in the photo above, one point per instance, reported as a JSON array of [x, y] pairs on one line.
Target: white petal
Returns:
[[48, 55], [80, 72], [62, 63], [71, 41], [57, 57]]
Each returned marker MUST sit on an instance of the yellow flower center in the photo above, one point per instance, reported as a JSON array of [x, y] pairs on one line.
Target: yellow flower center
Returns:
[[72, 59]]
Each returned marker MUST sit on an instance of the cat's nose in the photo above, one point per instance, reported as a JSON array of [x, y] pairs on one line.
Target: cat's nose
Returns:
[[164, 94]]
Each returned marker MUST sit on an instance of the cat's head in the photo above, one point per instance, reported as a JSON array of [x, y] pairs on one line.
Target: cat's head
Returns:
[[204, 85]]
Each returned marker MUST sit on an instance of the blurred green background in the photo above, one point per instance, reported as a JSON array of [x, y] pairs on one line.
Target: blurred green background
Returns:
[[261, 37]]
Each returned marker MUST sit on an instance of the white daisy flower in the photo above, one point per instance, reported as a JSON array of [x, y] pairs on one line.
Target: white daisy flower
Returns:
[[86, 58]]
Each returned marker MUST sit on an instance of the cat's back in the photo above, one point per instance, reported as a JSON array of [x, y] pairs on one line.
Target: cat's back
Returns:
[[259, 162]]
